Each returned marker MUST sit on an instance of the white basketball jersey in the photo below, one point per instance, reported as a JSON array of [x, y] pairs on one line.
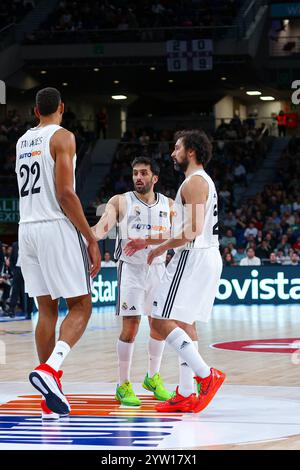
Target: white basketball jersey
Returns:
[[209, 236], [141, 221], [35, 170]]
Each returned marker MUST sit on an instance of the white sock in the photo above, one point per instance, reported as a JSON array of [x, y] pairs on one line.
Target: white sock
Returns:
[[155, 352], [125, 352], [58, 355], [183, 346], [186, 377]]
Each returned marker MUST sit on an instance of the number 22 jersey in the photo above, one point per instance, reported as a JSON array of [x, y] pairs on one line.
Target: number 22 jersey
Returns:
[[35, 169]]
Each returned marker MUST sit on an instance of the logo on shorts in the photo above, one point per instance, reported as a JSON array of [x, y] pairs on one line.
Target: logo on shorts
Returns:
[[155, 304], [184, 344], [132, 308], [124, 306], [163, 214]]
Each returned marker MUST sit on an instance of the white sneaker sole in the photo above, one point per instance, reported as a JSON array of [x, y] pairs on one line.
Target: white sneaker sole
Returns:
[[47, 386]]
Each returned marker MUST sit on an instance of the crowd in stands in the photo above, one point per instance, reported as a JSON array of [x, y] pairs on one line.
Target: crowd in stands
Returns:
[[12, 11], [11, 128], [262, 230], [234, 161], [92, 15], [266, 229]]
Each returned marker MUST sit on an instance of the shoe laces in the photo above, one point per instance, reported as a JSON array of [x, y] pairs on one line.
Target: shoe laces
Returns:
[[127, 387], [156, 379]]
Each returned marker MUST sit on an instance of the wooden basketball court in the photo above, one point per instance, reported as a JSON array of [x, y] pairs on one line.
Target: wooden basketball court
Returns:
[[257, 408]]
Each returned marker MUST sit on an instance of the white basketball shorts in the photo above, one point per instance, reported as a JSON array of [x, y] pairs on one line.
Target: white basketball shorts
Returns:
[[137, 286], [54, 259], [189, 285]]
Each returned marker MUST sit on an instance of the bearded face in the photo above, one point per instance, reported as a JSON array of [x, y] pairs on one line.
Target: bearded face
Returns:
[[180, 157]]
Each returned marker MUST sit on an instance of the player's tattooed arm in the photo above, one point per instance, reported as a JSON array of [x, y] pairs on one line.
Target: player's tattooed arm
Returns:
[[113, 213]]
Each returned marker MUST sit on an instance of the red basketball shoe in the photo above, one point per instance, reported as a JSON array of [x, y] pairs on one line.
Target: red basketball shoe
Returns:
[[207, 388], [47, 414], [177, 403], [47, 381]]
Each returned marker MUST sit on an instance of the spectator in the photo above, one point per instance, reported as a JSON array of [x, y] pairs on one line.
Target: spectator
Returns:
[[144, 139], [284, 245], [107, 263], [296, 205], [5, 284], [259, 238], [239, 172], [272, 261], [271, 242], [225, 197], [280, 257], [282, 123], [230, 221], [263, 251], [293, 260], [240, 254], [228, 260], [296, 245], [251, 259], [286, 206], [18, 289], [229, 238], [232, 249], [250, 230], [101, 123]]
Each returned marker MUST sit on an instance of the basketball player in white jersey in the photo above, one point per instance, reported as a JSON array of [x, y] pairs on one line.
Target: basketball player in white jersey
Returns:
[[189, 286], [55, 260], [138, 213]]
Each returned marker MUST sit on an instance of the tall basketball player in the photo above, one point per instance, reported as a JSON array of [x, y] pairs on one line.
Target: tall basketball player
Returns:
[[55, 260], [140, 213], [189, 285]]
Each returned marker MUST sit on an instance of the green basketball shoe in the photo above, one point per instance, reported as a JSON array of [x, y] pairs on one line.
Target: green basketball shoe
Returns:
[[155, 384], [126, 396]]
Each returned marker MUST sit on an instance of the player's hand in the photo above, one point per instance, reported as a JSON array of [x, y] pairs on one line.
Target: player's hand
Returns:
[[134, 245], [155, 253], [95, 258]]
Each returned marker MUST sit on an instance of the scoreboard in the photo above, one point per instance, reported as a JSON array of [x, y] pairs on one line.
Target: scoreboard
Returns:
[[194, 55]]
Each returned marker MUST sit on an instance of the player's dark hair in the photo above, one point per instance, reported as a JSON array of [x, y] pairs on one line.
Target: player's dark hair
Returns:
[[47, 101], [198, 141], [147, 161]]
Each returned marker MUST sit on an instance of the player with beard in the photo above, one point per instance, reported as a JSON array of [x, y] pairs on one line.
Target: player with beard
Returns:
[[146, 215], [189, 285]]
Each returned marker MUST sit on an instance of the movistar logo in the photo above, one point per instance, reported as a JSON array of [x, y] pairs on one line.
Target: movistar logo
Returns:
[[263, 289], [104, 291]]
